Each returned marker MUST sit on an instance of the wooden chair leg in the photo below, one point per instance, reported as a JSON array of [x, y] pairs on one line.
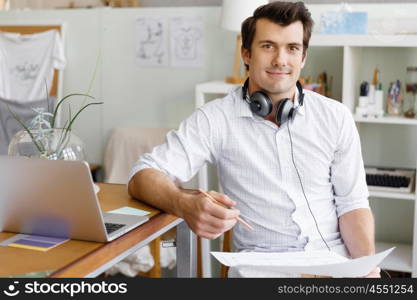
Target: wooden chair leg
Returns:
[[155, 247], [199, 259], [227, 247], [155, 272]]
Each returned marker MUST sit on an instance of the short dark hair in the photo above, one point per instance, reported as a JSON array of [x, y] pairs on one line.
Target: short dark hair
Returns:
[[281, 13]]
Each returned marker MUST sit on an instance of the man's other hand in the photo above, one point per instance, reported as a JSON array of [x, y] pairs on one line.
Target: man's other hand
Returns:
[[375, 273]]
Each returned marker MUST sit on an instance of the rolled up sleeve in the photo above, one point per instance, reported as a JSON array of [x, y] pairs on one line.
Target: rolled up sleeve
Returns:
[[184, 152], [347, 170]]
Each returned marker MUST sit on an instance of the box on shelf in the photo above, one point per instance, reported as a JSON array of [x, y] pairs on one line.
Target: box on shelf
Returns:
[[344, 23]]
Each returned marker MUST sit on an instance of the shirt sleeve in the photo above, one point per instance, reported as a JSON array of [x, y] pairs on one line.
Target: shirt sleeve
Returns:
[[347, 170], [184, 152], [58, 56]]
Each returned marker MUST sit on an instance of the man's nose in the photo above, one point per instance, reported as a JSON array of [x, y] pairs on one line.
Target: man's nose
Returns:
[[280, 58]]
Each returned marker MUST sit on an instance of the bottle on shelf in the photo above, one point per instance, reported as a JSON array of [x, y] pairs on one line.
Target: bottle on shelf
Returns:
[[379, 101], [395, 99], [411, 89], [363, 102]]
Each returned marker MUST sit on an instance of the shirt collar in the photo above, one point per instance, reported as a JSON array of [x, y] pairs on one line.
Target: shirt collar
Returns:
[[243, 109]]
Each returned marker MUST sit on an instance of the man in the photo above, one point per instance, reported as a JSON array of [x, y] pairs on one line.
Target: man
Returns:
[[300, 184]]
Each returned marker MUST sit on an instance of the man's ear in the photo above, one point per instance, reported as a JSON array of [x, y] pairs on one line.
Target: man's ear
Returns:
[[245, 53]]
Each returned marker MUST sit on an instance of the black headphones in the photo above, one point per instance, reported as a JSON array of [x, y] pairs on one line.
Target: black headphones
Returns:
[[261, 104]]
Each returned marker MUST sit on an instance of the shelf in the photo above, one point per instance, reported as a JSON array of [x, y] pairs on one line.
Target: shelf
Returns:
[[386, 120], [399, 260], [369, 40], [392, 195]]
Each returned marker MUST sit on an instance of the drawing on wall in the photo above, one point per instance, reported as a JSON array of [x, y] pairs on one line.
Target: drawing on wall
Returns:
[[151, 41], [186, 42]]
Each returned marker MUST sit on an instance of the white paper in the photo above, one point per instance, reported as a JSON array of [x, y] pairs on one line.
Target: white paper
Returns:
[[151, 41], [186, 42], [300, 258], [126, 210], [322, 263]]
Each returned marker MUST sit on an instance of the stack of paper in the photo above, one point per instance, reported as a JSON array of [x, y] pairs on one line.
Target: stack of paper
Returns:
[[323, 263]]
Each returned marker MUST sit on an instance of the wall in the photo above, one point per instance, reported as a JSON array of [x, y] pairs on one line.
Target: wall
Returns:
[[42, 4], [132, 95]]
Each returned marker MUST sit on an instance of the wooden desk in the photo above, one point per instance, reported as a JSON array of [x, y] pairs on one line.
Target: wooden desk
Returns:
[[89, 259]]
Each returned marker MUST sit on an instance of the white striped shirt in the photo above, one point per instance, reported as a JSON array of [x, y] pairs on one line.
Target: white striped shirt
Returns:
[[253, 158]]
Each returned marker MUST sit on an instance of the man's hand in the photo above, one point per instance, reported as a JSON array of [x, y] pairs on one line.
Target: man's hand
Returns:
[[206, 218], [375, 273]]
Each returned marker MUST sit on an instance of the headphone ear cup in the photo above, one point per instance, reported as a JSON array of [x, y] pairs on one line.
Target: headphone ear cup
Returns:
[[285, 111], [260, 104]]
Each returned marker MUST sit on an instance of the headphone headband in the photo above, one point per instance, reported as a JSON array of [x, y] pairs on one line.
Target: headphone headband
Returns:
[[246, 97], [300, 93], [261, 105]]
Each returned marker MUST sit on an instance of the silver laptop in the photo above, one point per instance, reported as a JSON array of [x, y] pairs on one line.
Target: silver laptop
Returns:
[[56, 198]]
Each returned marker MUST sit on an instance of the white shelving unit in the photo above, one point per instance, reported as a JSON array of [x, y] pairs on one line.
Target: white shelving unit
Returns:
[[404, 258], [390, 195], [405, 40], [401, 261], [387, 120]]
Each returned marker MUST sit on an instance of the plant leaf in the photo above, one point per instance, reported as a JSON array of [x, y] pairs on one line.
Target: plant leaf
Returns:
[[94, 76], [47, 96], [76, 115], [61, 101], [40, 149]]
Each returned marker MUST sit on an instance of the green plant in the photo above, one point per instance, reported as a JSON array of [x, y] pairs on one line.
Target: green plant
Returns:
[[41, 126]]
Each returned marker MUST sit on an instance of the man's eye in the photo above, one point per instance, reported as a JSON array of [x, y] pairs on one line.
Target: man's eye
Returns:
[[294, 48], [267, 46]]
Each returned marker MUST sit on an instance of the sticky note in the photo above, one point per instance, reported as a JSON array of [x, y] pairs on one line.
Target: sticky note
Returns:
[[130, 211], [34, 243]]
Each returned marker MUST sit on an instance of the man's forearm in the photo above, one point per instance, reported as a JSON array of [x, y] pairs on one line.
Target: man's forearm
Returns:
[[205, 218], [157, 189], [358, 232]]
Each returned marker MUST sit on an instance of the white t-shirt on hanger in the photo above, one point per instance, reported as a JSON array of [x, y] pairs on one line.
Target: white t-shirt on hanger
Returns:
[[27, 61]]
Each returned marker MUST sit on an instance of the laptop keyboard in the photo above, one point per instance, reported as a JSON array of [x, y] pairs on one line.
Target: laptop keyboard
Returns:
[[110, 227]]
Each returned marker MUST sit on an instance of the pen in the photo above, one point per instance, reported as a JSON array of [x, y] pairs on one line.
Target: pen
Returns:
[[221, 204]]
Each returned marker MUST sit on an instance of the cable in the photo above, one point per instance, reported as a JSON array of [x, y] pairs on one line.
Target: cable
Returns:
[[302, 187], [388, 274]]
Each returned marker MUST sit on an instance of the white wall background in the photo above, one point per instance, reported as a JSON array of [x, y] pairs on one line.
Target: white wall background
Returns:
[[132, 95], [39, 4]]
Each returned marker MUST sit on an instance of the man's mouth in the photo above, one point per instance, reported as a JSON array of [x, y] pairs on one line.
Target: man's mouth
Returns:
[[277, 73]]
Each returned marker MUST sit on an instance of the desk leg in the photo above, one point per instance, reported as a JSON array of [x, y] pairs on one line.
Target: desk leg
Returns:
[[186, 251], [203, 183]]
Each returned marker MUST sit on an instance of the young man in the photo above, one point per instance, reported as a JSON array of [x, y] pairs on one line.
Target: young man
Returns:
[[300, 184]]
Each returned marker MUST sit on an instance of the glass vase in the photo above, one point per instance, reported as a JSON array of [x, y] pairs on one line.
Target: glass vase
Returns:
[[53, 144]]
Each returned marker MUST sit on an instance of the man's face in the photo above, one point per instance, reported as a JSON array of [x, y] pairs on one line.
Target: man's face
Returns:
[[276, 58]]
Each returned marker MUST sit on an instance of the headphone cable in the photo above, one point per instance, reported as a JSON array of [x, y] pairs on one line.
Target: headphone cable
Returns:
[[302, 187]]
